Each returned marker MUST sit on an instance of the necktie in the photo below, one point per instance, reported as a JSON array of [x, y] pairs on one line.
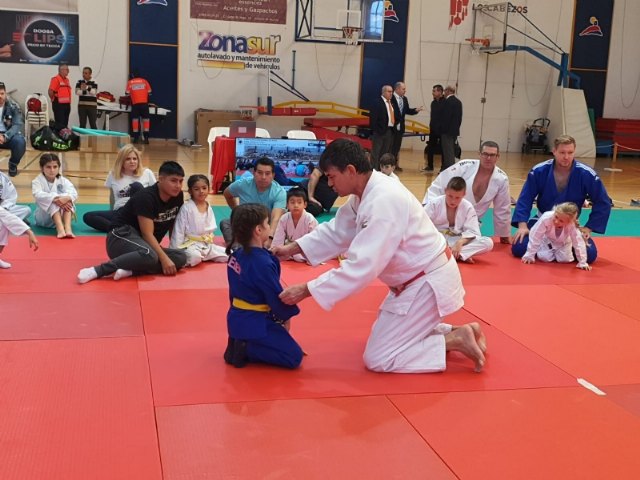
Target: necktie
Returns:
[[392, 116], [400, 104]]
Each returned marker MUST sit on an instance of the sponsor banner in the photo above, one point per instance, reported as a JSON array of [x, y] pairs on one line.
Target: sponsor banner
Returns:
[[44, 5], [241, 52], [29, 37], [253, 11]]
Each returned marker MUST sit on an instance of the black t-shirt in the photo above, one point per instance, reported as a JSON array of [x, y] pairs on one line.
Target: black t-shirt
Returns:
[[147, 203]]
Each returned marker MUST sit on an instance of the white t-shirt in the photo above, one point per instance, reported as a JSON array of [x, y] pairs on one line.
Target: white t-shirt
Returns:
[[121, 187]]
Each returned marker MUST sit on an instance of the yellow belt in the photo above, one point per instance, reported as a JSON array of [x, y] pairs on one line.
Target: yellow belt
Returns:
[[242, 305], [191, 239]]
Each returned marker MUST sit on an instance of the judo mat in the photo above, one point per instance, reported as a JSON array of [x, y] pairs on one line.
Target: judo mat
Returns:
[[126, 379]]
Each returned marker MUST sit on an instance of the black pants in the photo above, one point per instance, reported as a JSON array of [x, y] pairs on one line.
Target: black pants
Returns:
[[99, 220], [128, 251], [87, 112], [381, 144], [433, 147], [61, 112]]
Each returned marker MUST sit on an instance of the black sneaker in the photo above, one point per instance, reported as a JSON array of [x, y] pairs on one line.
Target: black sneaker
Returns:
[[136, 139], [146, 141], [13, 170]]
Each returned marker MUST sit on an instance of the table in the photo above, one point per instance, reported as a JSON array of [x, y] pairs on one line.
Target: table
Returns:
[[223, 160], [113, 109]]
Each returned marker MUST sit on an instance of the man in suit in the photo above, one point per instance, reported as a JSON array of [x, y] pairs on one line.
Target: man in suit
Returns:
[[435, 127], [402, 108], [451, 120], [382, 120]]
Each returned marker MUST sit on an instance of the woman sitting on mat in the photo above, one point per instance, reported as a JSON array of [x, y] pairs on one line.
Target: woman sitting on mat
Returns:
[[555, 237], [257, 318], [55, 197], [127, 177], [195, 223]]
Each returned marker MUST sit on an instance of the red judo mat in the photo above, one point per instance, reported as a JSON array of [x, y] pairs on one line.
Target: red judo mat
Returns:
[[77, 409], [75, 405], [543, 433]]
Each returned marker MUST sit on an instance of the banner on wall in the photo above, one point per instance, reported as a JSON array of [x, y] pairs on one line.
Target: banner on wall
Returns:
[[238, 51], [252, 11], [29, 37], [44, 5]]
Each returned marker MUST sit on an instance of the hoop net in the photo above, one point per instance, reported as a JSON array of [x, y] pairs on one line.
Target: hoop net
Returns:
[[477, 44], [351, 35]]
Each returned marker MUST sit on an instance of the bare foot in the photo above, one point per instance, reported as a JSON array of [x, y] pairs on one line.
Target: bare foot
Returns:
[[70, 234], [61, 235], [463, 340], [481, 340], [469, 260]]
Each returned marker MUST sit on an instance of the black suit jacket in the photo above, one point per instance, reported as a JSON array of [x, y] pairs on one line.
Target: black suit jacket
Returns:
[[406, 110], [451, 116], [435, 122], [379, 118]]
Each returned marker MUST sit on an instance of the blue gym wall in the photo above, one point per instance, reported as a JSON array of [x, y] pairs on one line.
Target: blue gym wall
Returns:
[[383, 63], [590, 53], [153, 54]]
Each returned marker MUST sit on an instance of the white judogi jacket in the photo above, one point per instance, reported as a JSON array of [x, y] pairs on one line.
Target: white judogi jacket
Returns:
[[466, 222], [193, 231], [543, 233], [44, 193], [385, 234], [287, 232], [191, 222], [497, 193], [9, 198], [10, 224]]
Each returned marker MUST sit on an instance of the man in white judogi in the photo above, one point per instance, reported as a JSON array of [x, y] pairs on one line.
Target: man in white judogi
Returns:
[[12, 224], [386, 233], [9, 197], [454, 217], [486, 183]]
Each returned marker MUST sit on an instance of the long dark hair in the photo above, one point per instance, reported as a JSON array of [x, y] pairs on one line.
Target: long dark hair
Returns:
[[244, 219]]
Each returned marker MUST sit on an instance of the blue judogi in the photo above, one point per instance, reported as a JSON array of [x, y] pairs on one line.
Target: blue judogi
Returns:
[[254, 286], [541, 186]]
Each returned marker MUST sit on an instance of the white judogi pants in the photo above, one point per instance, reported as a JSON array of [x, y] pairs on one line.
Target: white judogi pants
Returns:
[[477, 246], [205, 252], [549, 252]]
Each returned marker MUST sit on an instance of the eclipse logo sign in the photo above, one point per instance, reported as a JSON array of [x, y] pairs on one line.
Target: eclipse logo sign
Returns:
[[43, 38]]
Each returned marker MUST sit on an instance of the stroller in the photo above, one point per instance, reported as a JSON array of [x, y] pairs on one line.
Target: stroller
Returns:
[[536, 136]]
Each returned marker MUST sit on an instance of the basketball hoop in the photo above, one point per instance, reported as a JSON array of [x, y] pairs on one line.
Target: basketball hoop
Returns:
[[351, 35], [477, 44]]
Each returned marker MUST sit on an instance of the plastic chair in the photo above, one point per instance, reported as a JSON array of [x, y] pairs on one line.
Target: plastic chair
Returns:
[[213, 133], [262, 133], [303, 134], [36, 119]]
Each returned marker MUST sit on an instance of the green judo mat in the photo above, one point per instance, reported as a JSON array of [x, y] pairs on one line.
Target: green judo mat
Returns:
[[622, 223]]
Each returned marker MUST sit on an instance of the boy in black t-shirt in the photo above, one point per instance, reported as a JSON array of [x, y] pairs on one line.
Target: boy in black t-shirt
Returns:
[[133, 244]]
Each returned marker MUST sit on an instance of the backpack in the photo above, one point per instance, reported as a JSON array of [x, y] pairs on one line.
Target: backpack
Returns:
[[46, 138], [34, 105]]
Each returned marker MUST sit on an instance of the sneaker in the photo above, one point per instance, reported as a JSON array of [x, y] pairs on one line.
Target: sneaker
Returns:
[[13, 170], [426, 170], [635, 202], [146, 141], [136, 139]]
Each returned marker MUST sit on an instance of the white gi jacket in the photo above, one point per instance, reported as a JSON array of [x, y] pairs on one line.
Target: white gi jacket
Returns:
[[550, 246], [287, 232], [466, 222], [9, 198], [497, 193], [385, 234], [44, 194], [193, 231], [10, 224]]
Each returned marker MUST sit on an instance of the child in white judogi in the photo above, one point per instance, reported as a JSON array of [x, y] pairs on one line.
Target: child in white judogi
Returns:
[[11, 224], [55, 197], [9, 197], [296, 223], [456, 218], [555, 237], [195, 224]]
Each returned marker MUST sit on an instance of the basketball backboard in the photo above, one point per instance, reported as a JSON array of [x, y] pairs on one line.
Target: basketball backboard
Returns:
[[490, 22], [325, 20]]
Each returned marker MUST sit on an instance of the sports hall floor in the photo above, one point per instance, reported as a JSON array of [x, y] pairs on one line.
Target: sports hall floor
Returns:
[[125, 380]]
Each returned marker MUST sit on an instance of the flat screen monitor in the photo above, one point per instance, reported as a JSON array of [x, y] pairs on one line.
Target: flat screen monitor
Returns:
[[295, 158]]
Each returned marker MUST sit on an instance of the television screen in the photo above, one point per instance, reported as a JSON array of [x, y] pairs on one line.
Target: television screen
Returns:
[[294, 158]]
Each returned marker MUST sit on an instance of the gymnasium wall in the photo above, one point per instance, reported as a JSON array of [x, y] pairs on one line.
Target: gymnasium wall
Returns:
[[516, 86]]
